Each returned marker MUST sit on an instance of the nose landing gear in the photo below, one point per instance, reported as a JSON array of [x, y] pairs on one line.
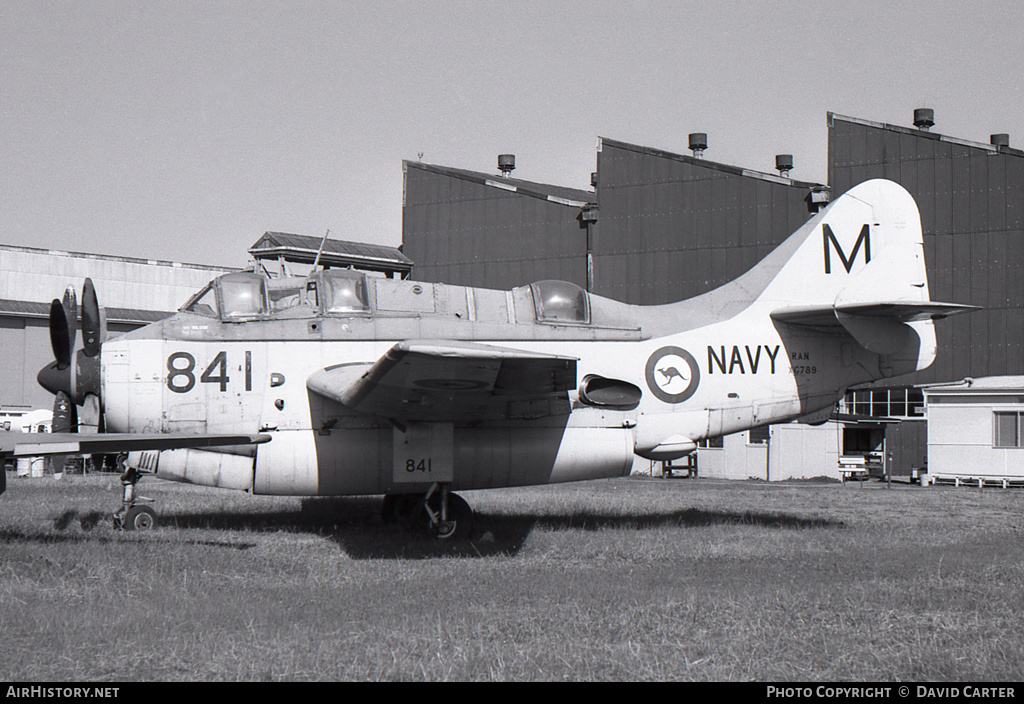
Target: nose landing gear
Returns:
[[134, 513]]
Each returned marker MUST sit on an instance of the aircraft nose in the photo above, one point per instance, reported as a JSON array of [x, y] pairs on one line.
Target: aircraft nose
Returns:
[[54, 379]]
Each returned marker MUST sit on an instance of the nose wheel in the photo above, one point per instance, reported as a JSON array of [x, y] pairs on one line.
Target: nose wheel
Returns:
[[136, 518], [135, 513]]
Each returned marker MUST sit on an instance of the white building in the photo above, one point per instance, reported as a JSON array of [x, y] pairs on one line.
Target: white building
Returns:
[[132, 291], [976, 431], [774, 453]]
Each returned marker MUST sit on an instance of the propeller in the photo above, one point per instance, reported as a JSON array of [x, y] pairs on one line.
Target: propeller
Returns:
[[65, 415], [74, 378], [92, 320]]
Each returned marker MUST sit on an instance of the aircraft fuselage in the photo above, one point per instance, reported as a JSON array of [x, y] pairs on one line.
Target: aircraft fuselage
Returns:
[[197, 373]]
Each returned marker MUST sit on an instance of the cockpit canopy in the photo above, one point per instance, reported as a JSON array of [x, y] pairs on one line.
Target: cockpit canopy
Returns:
[[560, 302], [248, 295], [231, 297], [244, 296], [344, 292]]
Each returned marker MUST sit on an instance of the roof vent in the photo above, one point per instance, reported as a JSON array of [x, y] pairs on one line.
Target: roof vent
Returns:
[[784, 164], [924, 118], [698, 143], [506, 164], [1002, 139], [817, 198]]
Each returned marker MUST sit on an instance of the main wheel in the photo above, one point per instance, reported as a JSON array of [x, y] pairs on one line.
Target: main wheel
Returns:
[[460, 518], [139, 518]]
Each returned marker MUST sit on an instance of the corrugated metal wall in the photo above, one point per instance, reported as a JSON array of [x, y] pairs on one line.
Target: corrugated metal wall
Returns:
[[669, 227], [971, 199], [972, 212], [672, 226], [458, 231]]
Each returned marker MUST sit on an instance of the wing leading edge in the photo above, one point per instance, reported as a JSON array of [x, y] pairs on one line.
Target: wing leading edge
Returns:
[[30, 444], [34, 444], [451, 381]]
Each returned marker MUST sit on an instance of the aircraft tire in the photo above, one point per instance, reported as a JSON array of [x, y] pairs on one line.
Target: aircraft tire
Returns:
[[460, 523], [139, 518]]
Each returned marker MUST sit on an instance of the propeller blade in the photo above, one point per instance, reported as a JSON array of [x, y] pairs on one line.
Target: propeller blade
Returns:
[[92, 320], [71, 313], [60, 336], [65, 415]]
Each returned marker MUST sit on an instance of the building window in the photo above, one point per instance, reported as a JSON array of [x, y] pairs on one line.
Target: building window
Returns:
[[1008, 428], [759, 435], [884, 403], [715, 443]]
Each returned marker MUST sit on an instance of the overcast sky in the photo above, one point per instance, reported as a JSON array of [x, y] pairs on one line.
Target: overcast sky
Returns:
[[184, 130]]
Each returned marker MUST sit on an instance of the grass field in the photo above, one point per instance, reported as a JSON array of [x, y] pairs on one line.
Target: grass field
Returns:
[[632, 579]]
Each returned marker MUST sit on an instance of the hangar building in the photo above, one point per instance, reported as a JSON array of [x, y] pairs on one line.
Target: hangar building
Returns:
[[971, 198], [474, 229], [660, 226], [133, 292]]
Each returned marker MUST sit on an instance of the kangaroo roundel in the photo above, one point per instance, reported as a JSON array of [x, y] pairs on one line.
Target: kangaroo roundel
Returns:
[[672, 374]]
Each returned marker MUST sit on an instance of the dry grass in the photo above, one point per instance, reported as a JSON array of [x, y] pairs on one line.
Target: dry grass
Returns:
[[639, 579]]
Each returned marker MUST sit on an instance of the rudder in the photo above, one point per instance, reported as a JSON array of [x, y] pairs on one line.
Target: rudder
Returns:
[[866, 246]]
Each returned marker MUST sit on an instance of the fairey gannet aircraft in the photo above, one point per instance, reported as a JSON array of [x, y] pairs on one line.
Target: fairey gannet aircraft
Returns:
[[337, 383]]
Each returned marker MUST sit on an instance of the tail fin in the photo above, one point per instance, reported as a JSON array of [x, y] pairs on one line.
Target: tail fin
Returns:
[[866, 246], [858, 265]]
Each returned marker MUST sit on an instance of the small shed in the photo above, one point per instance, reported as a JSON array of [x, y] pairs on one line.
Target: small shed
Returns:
[[304, 249], [976, 431]]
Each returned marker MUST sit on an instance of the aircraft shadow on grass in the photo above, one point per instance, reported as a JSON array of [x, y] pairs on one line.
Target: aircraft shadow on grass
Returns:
[[94, 526], [354, 523]]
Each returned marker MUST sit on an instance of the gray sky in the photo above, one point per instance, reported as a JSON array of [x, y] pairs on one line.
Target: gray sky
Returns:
[[183, 130]]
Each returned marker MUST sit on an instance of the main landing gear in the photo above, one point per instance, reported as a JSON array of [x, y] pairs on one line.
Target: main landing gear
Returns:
[[134, 513], [444, 515]]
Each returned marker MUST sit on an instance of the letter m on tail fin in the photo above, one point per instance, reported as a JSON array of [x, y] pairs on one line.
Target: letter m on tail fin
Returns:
[[828, 237]]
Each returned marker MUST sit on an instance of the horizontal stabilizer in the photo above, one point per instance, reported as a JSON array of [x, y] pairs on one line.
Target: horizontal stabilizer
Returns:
[[824, 316], [880, 327], [30, 444]]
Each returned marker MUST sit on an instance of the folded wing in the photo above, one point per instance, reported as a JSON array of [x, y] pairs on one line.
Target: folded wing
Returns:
[[452, 381]]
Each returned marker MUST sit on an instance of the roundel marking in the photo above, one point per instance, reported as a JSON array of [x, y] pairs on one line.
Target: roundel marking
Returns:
[[672, 374]]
